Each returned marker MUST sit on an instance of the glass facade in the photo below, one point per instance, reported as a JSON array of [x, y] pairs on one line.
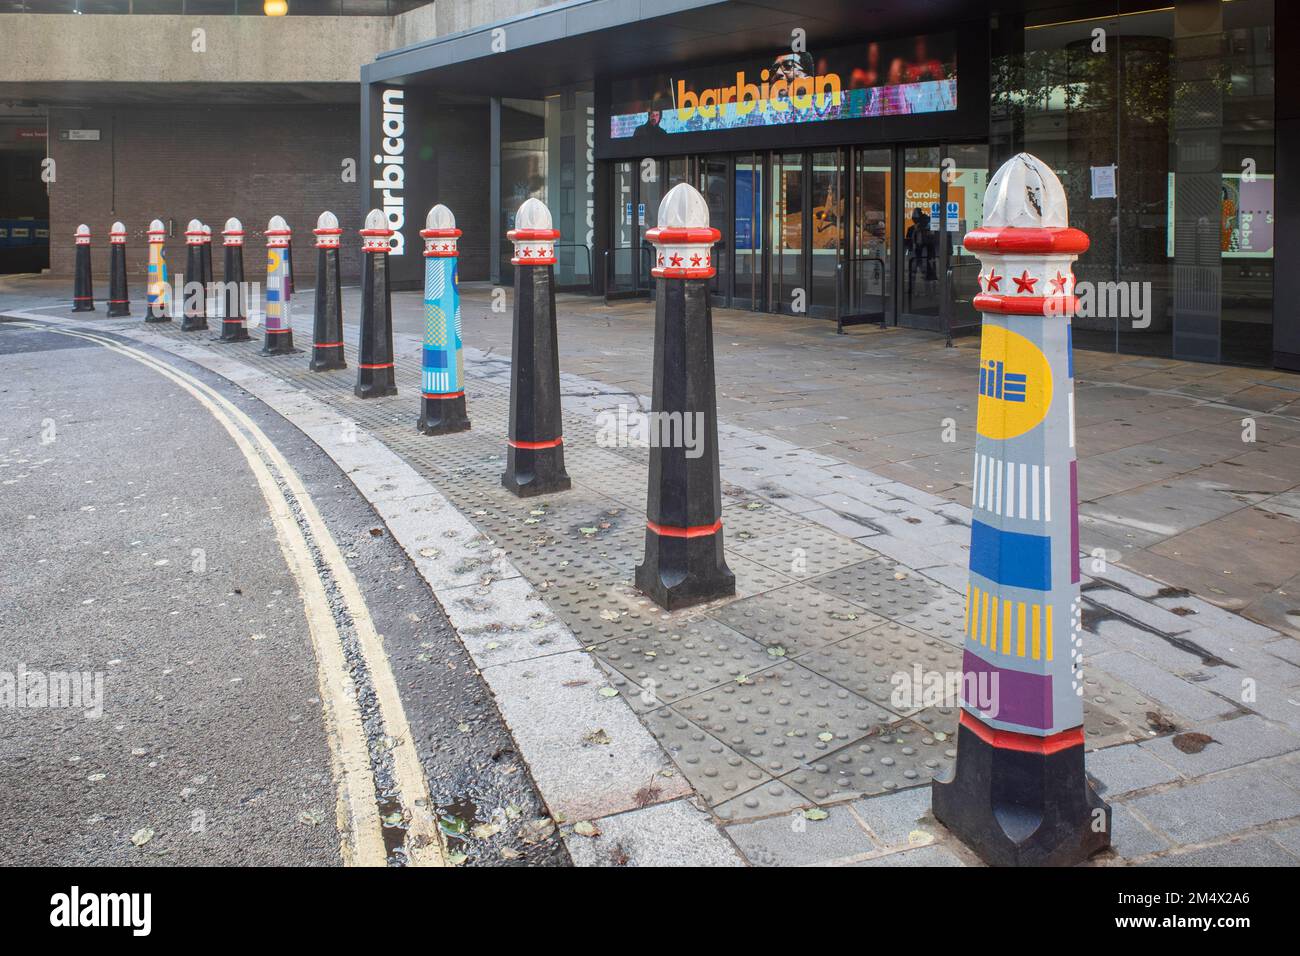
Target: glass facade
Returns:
[[1160, 125]]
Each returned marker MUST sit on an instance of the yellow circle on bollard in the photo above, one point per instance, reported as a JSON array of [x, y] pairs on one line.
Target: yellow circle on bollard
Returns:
[[272, 259], [1015, 388]]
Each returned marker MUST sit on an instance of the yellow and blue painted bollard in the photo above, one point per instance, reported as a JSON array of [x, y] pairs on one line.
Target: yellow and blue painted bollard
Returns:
[[442, 368], [83, 298], [194, 304], [1019, 796], [278, 329], [233, 328], [327, 327], [158, 298], [119, 302], [375, 373]]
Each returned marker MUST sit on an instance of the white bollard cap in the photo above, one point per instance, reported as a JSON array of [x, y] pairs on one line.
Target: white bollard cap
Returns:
[[1025, 193], [277, 233], [233, 234], [118, 233], [683, 239], [156, 228], [83, 235], [534, 235], [327, 231], [207, 233], [683, 208], [194, 233], [440, 233], [377, 235]]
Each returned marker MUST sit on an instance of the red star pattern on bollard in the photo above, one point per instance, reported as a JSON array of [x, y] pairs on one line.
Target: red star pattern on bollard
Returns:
[[1059, 283], [1025, 282]]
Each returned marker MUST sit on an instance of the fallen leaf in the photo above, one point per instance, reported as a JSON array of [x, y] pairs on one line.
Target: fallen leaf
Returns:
[[1193, 743], [142, 836], [311, 817], [825, 737], [597, 737], [484, 830], [816, 813], [586, 828], [607, 692]]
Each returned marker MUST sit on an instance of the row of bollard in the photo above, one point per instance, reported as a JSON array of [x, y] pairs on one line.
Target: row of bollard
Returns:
[[1019, 795]]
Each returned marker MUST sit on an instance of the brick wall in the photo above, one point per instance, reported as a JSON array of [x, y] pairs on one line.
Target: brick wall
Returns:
[[208, 163]]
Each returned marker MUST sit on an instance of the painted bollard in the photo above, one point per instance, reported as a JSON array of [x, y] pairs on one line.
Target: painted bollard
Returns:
[[83, 297], [375, 375], [158, 294], [1018, 795], [327, 328], [233, 328], [442, 367], [119, 301], [684, 563], [535, 452], [194, 304], [277, 331]]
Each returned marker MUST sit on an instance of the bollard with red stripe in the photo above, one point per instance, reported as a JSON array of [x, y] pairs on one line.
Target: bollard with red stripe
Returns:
[[535, 456], [375, 376], [442, 367], [327, 329], [684, 563], [119, 303], [233, 328], [158, 293], [193, 294], [1019, 795], [277, 332], [83, 297]]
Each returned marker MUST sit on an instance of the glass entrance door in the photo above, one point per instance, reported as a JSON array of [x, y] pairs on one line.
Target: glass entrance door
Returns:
[[747, 233], [921, 214], [789, 248], [963, 211], [713, 186], [869, 268]]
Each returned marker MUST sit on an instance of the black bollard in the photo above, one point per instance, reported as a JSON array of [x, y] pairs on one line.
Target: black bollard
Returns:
[[535, 457], [119, 301], [83, 297], [231, 295], [194, 314], [327, 330], [205, 250], [684, 563], [375, 375]]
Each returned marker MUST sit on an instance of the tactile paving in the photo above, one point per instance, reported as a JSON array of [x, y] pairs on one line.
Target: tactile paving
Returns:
[[601, 609], [878, 662], [783, 717], [796, 617], [883, 586], [753, 578], [757, 519], [765, 800], [685, 657], [801, 554], [943, 618], [716, 771], [894, 757]]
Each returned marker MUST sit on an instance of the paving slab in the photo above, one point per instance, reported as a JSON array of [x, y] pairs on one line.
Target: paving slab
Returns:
[[1236, 742], [1219, 806], [792, 840], [668, 834]]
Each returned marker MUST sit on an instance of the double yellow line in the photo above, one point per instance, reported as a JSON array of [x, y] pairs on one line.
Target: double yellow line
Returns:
[[357, 810]]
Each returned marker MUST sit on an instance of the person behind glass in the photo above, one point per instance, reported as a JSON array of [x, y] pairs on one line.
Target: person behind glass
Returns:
[[921, 241]]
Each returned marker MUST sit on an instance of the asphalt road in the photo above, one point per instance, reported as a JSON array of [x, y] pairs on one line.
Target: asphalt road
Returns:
[[140, 556]]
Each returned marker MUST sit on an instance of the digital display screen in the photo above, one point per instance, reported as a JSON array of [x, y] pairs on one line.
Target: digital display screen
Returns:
[[878, 78], [1246, 224]]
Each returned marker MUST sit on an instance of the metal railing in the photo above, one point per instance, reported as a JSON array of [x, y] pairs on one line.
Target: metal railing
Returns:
[[638, 290], [949, 298], [843, 296], [590, 284]]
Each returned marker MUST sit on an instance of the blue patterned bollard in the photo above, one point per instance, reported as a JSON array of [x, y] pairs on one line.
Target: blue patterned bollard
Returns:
[[442, 368]]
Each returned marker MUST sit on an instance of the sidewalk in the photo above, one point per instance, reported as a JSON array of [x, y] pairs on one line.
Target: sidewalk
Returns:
[[846, 524]]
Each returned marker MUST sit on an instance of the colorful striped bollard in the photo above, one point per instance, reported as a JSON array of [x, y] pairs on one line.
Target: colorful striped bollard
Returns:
[[278, 330], [83, 297], [119, 302], [158, 306], [375, 375], [535, 456], [193, 307], [684, 563], [233, 328], [1019, 796], [327, 329], [442, 391]]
